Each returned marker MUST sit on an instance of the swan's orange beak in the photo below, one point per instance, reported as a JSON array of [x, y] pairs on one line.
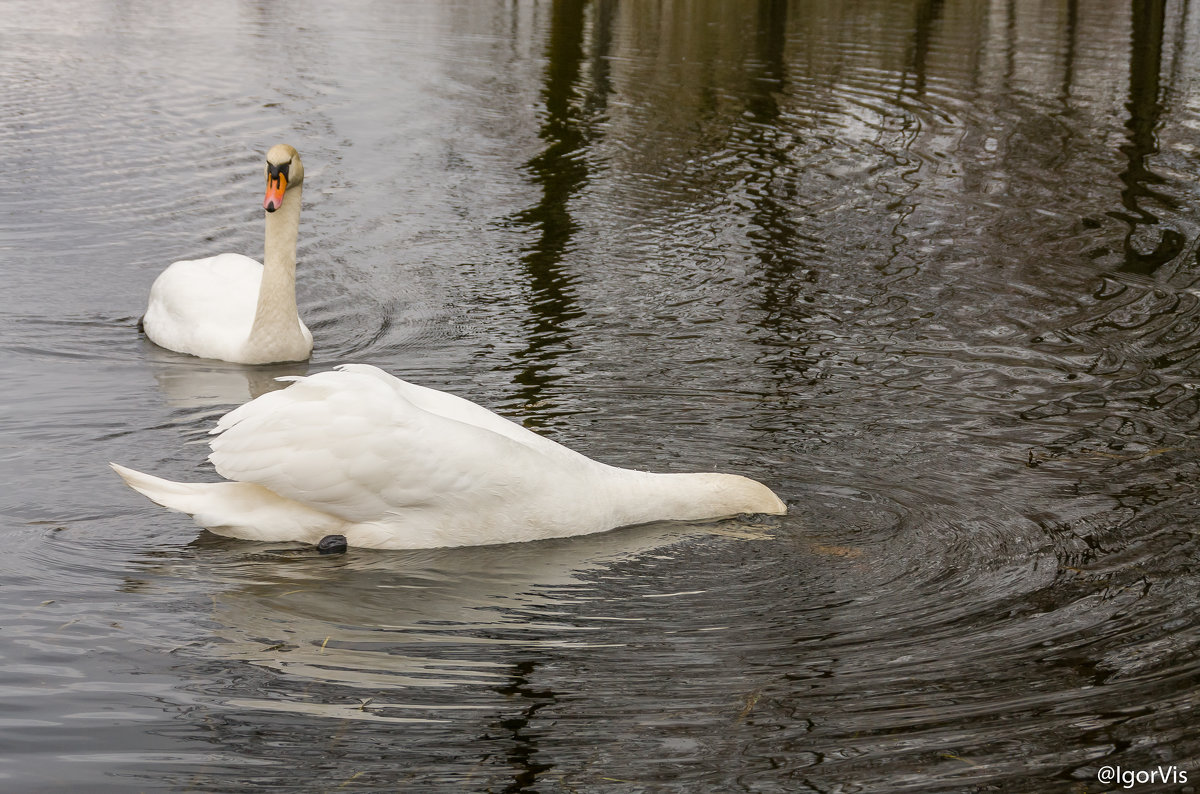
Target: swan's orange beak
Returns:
[[276, 184]]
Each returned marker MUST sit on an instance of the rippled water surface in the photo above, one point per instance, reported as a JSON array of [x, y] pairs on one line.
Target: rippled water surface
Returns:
[[928, 269]]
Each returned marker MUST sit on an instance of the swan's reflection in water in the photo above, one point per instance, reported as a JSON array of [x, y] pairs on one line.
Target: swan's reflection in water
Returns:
[[188, 382], [397, 627]]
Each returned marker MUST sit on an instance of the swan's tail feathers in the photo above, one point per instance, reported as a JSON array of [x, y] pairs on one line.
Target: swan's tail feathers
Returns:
[[236, 509], [185, 497]]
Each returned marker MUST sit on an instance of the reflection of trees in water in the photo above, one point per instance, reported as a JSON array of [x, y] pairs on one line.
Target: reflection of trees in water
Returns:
[[1142, 337], [560, 170], [515, 728], [773, 189], [1131, 424], [1145, 111], [788, 276]]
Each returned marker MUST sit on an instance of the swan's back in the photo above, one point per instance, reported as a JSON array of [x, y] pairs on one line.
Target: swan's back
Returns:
[[366, 447], [204, 307]]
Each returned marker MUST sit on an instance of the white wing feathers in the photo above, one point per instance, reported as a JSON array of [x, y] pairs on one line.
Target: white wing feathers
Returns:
[[362, 445], [204, 306]]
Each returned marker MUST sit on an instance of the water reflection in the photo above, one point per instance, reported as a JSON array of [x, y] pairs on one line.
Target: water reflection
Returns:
[[188, 382], [772, 188], [1145, 110], [570, 125], [384, 623], [927, 16], [527, 701]]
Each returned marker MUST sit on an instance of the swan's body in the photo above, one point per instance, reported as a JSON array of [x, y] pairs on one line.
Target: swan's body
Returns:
[[389, 464], [229, 306]]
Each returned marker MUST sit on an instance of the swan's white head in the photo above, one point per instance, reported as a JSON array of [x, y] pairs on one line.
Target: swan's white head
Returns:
[[283, 170], [733, 494]]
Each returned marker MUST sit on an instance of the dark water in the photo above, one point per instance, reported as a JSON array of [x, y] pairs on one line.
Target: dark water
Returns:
[[929, 269]]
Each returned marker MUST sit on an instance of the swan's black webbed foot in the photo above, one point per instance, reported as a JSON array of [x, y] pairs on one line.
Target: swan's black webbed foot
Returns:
[[332, 544]]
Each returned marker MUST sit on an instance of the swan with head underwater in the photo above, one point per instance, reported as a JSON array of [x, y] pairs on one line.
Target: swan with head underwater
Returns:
[[230, 307], [354, 456]]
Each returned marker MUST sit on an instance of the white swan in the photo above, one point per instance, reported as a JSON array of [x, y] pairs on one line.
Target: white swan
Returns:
[[230, 307], [388, 464]]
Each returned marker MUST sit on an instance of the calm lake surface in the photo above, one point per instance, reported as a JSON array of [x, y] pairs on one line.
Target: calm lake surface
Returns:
[[928, 269]]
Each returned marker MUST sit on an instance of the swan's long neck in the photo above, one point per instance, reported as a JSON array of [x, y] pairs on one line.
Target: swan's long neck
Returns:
[[276, 328], [641, 497]]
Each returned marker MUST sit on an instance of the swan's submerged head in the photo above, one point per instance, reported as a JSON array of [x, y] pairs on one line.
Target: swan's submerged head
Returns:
[[743, 495], [695, 497], [283, 169]]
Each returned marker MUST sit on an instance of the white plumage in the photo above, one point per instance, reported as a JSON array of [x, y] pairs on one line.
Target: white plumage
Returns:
[[206, 308], [230, 307], [389, 464]]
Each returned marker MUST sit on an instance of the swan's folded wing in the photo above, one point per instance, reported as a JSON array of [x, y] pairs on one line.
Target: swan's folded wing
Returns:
[[451, 406], [350, 444], [197, 304]]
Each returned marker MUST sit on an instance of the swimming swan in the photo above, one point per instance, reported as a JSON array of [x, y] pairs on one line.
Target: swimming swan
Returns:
[[388, 464], [229, 306]]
